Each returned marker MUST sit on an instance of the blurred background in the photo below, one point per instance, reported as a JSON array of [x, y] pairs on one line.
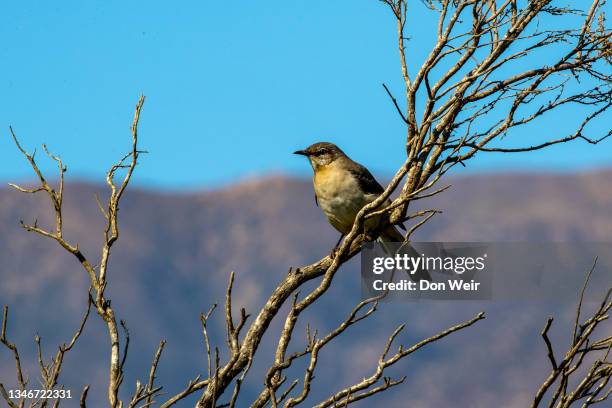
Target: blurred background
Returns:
[[231, 91]]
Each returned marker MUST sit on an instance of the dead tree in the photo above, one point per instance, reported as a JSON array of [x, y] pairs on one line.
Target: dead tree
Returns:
[[97, 274], [470, 95]]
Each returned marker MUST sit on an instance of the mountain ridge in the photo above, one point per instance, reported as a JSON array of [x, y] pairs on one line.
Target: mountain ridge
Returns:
[[176, 250]]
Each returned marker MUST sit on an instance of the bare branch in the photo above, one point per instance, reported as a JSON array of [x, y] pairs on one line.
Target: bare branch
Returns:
[[152, 372], [551, 354], [204, 319], [399, 111], [193, 386], [21, 380], [589, 383], [83, 399], [97, 281], [352, 393]]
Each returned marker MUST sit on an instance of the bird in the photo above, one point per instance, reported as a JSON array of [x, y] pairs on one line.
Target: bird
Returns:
[[343, 187]]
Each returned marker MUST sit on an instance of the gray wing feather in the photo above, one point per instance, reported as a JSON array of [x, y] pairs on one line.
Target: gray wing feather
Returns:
[[366, 180], [368, 183]]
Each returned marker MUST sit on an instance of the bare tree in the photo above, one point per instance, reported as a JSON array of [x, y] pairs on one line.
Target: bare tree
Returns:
[[481, 81], [97, 274]]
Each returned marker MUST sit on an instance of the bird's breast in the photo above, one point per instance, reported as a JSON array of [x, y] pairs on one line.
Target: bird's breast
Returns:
[[339, 196]]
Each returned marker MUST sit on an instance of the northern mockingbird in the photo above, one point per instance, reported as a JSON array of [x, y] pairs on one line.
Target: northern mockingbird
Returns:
[[342, 187]]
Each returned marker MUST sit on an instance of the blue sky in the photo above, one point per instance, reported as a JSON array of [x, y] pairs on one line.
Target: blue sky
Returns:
[[232, 88]]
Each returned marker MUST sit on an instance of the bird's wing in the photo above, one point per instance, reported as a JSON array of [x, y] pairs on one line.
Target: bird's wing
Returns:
[[316, 200], [368, 183], [366, 180]]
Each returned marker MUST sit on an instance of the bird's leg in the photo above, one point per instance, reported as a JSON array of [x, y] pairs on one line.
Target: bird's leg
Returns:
[[336, 247], [368, 234]]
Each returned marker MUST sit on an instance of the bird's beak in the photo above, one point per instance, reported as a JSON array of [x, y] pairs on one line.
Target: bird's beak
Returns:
[[301, 152]]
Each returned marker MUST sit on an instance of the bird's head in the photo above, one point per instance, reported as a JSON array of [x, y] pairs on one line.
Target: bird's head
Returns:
[[321, 154]]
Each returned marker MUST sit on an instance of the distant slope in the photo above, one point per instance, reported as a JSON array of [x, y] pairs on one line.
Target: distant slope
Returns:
[[175, 252]]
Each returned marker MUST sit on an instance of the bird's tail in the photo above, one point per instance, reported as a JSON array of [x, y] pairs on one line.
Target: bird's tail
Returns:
[[391, 234]]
